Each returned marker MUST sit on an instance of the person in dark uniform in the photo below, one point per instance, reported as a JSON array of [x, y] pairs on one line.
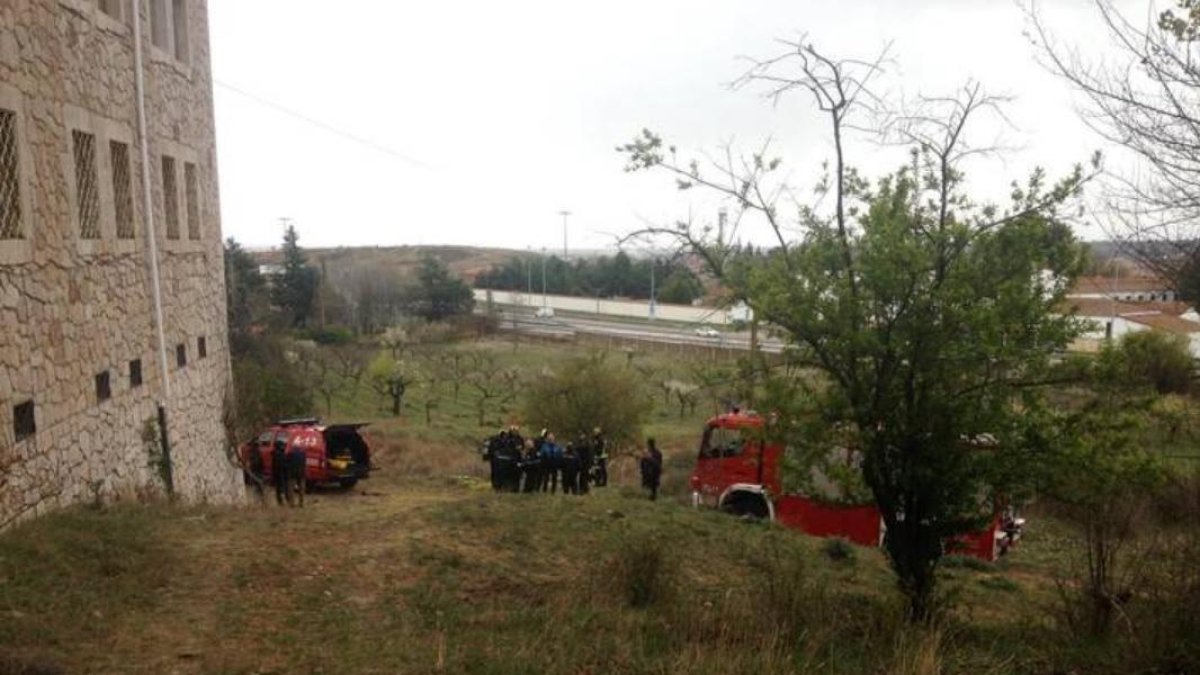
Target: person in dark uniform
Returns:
[[570, 470], [531, 469], [491, 455], [296, 480], [651, 465], [600, 453], [514, 448], [586, 454], [279, 471]]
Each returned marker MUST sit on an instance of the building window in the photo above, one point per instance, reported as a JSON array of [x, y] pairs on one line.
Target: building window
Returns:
[[122, 185], [24, 420], [192, 195], [181, 355], [202, 347], [170, 197], [112, 8], [160, 35], [179, 18], [169, 27], [10, 186], [103, 387], [87, 197], [135, 373]]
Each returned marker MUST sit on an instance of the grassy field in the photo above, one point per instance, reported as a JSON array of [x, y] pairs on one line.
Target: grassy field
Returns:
[[422, 569], [416, 574]]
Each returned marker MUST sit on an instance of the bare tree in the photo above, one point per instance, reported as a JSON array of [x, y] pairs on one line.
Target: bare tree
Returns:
[[1146, 99]]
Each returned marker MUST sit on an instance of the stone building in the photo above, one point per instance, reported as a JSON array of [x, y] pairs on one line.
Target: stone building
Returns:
[[81, 378]]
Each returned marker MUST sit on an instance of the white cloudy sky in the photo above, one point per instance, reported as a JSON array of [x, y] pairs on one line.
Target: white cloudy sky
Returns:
[[494, 116]]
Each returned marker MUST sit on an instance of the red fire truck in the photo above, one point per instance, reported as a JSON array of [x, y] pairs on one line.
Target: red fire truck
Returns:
[[335, 453], [739, 472]]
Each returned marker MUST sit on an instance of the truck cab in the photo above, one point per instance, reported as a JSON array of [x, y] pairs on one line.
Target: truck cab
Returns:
[[737, 470]]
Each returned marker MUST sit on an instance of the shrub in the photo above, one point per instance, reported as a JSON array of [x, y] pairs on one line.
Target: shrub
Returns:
[[643, 572], [589, 392], [1159, 359], [839, 550]]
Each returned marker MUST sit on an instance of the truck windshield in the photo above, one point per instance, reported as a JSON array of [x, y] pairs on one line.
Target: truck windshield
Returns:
[[721, 442]]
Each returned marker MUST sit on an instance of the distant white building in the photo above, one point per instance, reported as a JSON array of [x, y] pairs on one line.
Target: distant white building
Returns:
[[1124, 289], [1111, 319]]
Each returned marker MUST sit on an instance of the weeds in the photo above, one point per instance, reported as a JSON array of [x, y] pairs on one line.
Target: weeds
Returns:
[[642, 572]]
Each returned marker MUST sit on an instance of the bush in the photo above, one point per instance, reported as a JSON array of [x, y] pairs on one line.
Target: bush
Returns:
[[1161, 360], [643, 572], [331, 335], [838, 549], [265, 388], [589, 392]]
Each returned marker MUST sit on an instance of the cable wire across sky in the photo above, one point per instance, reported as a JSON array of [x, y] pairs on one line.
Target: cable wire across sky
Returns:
[[408, 159]]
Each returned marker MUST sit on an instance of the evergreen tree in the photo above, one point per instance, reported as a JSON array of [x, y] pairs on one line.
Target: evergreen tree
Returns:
[[295, 288]]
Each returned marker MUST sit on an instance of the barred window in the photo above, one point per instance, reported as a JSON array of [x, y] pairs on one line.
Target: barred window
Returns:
[[170, 197], [181, 355], [87, 197], [202, 347], [122, 186], [192, 190], [10, 189], [135, 373]]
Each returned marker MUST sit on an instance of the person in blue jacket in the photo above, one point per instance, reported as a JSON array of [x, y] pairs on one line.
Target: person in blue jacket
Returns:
[[551, 454]]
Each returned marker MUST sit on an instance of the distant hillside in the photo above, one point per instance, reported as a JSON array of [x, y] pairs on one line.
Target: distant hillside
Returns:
[[341, 262]]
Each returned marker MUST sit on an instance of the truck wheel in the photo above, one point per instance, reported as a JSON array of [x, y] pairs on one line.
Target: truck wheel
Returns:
[[747, 505], [348, 483]]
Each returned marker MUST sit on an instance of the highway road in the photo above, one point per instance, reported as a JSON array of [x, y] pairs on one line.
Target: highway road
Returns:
[[567, 325]]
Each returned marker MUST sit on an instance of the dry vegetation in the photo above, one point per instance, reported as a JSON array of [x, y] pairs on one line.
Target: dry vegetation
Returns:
[[422, 569]]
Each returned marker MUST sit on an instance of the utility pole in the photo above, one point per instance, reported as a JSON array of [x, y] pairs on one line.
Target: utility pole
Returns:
[[653, 295], [564, 213]]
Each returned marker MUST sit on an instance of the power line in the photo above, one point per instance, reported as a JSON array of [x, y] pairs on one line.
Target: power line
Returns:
[[325, 127]]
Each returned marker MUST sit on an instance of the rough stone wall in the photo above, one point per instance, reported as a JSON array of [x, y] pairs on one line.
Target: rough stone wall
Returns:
[[72, 308]]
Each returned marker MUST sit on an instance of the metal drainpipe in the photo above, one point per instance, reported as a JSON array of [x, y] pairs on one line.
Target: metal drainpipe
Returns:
[[152, 247]]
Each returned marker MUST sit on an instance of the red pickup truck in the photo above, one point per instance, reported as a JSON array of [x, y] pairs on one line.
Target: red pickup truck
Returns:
[[335, 453], [739, 472]]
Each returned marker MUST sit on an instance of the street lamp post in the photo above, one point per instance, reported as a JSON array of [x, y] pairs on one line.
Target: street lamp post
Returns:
[[564, 214]]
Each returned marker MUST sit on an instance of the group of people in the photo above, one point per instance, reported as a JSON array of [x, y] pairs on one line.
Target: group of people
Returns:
[[542, 464], [286, 473]]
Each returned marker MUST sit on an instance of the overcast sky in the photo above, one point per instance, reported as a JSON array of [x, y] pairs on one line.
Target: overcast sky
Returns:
[[486, 118]]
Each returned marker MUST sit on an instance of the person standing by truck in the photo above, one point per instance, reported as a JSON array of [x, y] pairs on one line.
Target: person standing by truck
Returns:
[[279, 474], [651, 465], [297, 482]]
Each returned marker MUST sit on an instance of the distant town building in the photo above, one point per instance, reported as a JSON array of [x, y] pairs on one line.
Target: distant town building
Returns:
[[81, 361], [1111, 319], [1125, 289]]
